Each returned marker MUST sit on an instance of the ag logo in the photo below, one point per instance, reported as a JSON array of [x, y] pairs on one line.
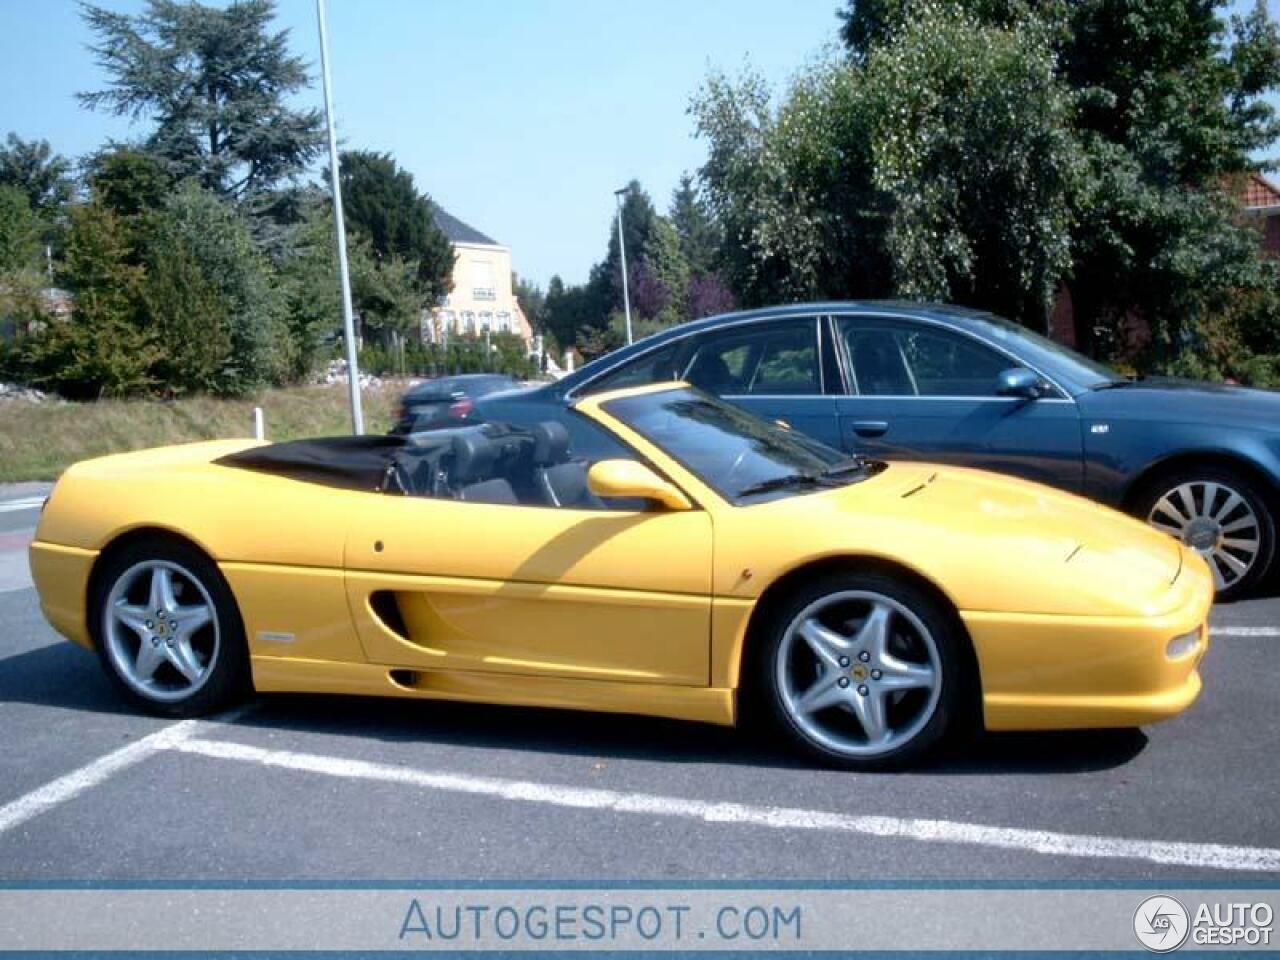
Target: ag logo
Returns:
[[1161, 924]]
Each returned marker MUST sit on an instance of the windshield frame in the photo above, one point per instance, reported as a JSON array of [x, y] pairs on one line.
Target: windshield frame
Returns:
[[812, 459]]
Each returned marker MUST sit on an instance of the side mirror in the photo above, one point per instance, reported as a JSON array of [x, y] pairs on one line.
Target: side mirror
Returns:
[[628, 478], [1019, 382]]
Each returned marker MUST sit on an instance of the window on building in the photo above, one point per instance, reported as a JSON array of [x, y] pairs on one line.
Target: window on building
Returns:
[[482, 282]]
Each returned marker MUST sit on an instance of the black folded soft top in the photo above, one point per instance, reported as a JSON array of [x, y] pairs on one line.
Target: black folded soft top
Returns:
[[350, 463]]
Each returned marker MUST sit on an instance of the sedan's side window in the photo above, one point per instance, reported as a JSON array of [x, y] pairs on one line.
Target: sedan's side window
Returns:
[[656, 366], [767, 358], [890, 358]]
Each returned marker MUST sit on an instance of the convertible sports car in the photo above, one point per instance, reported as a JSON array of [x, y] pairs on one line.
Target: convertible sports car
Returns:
[[649, 550]]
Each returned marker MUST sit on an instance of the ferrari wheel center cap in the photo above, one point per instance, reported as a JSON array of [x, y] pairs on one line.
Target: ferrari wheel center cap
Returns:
[[859, 672]]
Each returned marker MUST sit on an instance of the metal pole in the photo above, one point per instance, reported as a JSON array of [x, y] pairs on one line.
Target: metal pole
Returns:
[[622, 253], [340, 228]]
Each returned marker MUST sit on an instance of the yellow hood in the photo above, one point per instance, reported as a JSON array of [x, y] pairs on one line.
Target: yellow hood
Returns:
[[995, 542]]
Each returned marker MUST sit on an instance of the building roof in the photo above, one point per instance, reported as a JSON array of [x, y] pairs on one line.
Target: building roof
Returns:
[[457, 231], [1259, 193]]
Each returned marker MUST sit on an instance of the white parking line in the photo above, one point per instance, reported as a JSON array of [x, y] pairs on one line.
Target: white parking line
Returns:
[[26, 503], [71, 785], [1200, 855], [1244, 631], [59, 791]]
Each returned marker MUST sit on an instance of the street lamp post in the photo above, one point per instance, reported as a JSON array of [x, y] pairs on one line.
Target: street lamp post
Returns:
[[622, 252], [339, 225]]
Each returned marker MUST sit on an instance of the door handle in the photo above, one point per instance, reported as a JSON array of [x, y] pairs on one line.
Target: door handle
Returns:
[[870, 428]]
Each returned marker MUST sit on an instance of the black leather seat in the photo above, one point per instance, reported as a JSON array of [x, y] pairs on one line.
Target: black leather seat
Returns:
[[471, 474], [560, 482], [709, 372]]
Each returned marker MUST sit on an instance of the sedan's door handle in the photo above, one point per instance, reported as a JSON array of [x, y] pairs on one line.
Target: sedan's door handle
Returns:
[[870, 428]]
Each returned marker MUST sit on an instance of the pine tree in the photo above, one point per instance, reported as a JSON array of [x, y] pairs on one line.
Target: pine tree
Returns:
[[216, 84]]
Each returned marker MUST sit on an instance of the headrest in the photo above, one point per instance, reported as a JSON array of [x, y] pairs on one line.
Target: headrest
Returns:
[[473, 457], [550, 442], [709, 372]]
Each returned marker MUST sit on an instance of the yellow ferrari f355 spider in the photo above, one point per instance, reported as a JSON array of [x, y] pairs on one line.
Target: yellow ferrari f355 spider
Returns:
[[648, 550]]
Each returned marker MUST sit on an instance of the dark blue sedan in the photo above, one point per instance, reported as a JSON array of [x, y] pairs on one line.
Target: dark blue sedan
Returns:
[[910, 381]]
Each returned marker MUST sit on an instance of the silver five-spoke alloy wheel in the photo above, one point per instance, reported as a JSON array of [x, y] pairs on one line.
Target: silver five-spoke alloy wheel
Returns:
[[160, 630], [858, 673], [1215, 521]]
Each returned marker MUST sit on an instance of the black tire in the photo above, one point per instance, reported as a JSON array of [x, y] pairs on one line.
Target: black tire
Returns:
[[1226, 479], [227, 674], [956, 709]]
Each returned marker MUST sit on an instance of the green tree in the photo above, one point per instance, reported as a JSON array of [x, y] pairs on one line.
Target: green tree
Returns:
[[573, 312], [249, 318], [639, 219], [663, 266], [972, 144], [216, 84], [1170, 128], [532, 300], [105, 347], [188, 317], [1171, 105], [44, 176], [382, 203], [696, 227], [940, 166], [793, 186], [19, 232], [309, 278], [130, 182], [385, 292]]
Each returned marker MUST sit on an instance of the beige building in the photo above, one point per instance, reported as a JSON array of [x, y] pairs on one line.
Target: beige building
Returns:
[[482, 299]]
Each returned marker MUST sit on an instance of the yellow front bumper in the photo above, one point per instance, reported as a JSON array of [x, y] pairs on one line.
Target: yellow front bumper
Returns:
[[1044, 672], [61, 576]]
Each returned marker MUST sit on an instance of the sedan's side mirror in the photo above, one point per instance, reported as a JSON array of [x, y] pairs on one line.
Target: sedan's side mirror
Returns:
[[628, 478], [1019, 382]]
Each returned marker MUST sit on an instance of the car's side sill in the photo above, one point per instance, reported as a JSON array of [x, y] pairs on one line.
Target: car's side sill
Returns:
[[291, 675]]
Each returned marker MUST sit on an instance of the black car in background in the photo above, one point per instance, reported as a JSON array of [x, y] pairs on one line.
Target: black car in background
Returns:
[[446, 398], [1200, 461]]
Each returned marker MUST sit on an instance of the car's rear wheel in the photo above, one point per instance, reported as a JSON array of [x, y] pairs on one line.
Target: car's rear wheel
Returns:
[[167, 629], [1219, 514], [864, 671]]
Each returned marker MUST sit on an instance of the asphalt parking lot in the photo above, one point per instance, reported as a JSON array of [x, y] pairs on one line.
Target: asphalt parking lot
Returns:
[[317, 788]]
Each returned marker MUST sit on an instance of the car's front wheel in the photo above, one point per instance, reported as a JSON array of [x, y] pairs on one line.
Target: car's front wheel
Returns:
[[1219, 514], [167, 629], [865, 671]]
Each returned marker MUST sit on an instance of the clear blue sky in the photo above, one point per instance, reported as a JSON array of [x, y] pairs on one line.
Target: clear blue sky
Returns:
[[518, 116]]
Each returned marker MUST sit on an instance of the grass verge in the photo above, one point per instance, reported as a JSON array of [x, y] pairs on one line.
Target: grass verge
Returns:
[[39, 441]]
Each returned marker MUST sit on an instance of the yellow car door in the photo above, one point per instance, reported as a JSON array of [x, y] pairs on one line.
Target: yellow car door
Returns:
[[532, 590]]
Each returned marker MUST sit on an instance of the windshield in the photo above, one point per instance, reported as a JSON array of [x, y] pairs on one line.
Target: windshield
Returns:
[[1051, 357], [738, 455]]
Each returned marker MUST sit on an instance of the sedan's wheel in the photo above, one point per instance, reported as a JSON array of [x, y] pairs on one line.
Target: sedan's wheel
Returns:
[[864, 671], [167, 629], [1222, 518]]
